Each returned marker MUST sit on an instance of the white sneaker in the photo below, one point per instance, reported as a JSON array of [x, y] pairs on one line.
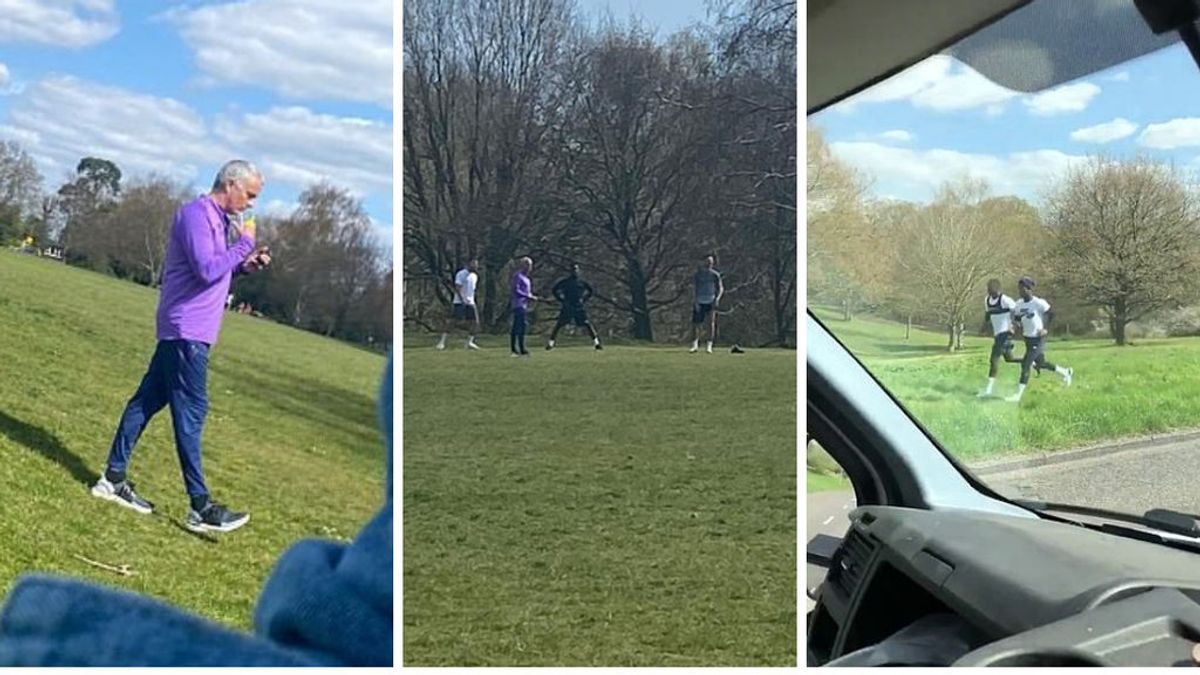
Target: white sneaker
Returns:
[[709, 349], [473, 346], [1015, 398], [984, 394], [440, 346], [1068, 376], [121, 493]]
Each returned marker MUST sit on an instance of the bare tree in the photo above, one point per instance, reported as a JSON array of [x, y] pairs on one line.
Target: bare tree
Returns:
[[20, 190], [1125, 236], [946, 254], [135, 231], [478, 101]]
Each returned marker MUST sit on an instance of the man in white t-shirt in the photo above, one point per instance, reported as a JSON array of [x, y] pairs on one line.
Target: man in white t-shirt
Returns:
[[1034, 316], [998, 309], [463, 313]]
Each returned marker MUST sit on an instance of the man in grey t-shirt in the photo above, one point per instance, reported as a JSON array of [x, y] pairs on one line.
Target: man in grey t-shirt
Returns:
[[708, 290]]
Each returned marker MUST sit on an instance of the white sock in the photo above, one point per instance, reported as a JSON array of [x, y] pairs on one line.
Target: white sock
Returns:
[[710, 345], [1060, 370], [990, 384], [696, 343], [470, 339], [551, 343], [595, 340], [442, 340], [1020, 390]]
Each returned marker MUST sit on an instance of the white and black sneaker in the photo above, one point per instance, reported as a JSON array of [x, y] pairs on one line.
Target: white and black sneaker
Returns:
[[215, 518], [122, 493]]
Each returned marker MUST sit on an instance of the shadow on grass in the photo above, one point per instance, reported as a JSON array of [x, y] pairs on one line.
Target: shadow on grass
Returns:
[[902, 348], [351, 414], [207, 538], [47, 445]]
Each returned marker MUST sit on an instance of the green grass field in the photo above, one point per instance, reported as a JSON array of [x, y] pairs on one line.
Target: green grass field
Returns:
[[1147, 388], [635, 506], [291, 436]]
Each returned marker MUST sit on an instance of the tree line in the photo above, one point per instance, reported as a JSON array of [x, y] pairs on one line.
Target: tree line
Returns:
[[329, 274], [1113, 243], [527, 131]]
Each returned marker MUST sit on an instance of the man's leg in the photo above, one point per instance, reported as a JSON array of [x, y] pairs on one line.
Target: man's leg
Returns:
[[712, 327], [520, 329], [562, 321], [187, 385], [697, 321], [1065, 373], [150, 397], [1031, 353], [993, 366], [512, 333]]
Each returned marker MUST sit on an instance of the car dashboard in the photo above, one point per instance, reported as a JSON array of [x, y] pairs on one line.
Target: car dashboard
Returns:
[[966, 588]]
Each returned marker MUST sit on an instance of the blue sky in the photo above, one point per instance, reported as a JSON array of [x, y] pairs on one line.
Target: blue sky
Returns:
[[940, 119], [301, 87], [668, 16]]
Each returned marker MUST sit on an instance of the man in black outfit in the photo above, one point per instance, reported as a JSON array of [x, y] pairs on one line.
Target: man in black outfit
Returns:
[[572, 292]]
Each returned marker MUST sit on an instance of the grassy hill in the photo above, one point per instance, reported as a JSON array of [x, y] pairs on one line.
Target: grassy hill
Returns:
[[291, 436], [1118, 392], [634, 506]]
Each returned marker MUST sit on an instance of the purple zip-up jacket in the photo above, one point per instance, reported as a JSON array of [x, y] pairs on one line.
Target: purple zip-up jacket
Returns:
[[521, 291], [197, 271]]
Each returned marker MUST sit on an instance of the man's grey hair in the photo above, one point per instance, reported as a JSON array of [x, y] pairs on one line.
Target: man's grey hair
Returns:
[[238, 170], [526, 262]]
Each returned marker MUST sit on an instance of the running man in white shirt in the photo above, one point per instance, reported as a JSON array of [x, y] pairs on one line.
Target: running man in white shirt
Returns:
[[1034, 315], [998, 309], [463, 313]]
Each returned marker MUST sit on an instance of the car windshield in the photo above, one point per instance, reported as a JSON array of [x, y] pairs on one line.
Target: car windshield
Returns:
[[1007, 234]]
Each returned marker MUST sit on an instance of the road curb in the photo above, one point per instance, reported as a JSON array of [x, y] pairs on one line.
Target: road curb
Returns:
[[1048, 459]]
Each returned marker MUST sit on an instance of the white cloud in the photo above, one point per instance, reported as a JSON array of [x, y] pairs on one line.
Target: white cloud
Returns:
[[62, 118], [297, 146], [1069, 98], [64, 23], [302, 49], [1177, 133], [918, 173], [1106, 132], [939, 83], [896, 135], [1122, 76], [4, 76]]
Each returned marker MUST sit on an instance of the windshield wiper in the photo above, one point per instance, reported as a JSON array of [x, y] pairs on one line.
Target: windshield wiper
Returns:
[[1159, 520], [1164, 520]]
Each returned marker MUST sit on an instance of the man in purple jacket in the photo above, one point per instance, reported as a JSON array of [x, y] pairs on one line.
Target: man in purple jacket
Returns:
[[199, 266], [522, 295]]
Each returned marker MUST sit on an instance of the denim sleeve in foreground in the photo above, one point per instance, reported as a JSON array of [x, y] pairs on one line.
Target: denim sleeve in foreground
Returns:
[[324, 604], [54, 621]]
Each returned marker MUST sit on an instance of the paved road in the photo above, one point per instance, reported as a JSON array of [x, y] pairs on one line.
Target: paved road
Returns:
[[1133, 480]]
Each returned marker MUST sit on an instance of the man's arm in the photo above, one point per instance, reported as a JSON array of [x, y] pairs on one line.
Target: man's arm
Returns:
[[587, 292], [558, 292], [720, 290], [205, 261]]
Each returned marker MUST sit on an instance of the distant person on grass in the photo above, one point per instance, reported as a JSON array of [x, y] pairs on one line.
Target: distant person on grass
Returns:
[[572, 292], [522, 298], [1034, 315], [197, 271], [463, 312], [707, 291], [998, 309]]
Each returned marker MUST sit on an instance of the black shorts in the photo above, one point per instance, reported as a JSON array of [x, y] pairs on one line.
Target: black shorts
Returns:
[[701, 311], [463, 312], [1002, 344], [572, 314]]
